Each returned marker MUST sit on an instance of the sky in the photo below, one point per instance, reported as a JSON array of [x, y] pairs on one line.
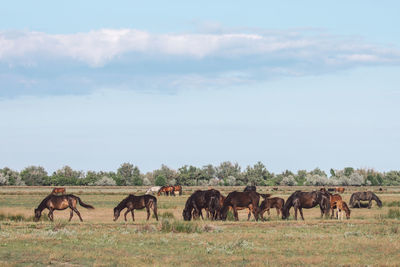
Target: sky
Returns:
[[295, 84]]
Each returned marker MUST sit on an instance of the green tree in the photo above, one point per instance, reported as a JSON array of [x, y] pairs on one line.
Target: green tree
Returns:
[[160, 180], [257, 175], [128, 174], [34, 175], [348, 171]]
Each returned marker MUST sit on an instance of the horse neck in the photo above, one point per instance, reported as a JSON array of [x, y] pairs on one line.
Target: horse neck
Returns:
[[43, 204], [122, 204], [376, 198]]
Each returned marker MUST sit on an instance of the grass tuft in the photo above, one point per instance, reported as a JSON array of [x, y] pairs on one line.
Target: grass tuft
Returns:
[[394, 214]]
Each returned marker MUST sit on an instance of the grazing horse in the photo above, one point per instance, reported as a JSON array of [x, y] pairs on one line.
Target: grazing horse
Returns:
[[339, 189], [208, 199], [178, 188], [332, 200], [167, 190], [133, 202], [306, 200], [237, 200], [268, 203], [364, 196], [55, 202], [340, 207], [58, 190], [153, 190], [250, 188]]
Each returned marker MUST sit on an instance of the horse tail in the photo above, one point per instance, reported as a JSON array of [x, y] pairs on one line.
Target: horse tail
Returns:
[[352, 200], [84, 205]]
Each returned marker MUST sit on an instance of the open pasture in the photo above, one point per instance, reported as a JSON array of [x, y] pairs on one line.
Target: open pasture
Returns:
[[370, 237]]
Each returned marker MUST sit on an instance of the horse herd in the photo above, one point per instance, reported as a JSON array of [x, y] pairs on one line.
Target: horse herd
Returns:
[[217, 206]]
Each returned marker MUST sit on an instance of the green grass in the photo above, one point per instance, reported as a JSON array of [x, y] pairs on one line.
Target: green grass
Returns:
[[370, 237]]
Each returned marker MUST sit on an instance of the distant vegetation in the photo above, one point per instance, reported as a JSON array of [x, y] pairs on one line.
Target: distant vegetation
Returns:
[[226, 173]]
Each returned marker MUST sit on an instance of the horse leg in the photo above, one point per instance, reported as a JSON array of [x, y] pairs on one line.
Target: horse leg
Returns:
[[50, 215], [126, 212], [133, 215], [277, 211], [301, 213], [359, 204], [249, 214], [295, 213], [70, 215], [155, 211], [148, 213], [235, 213], [77, 212], [370, 203]]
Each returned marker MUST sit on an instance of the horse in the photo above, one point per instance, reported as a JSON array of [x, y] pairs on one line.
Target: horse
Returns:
[[237, 200], [178, 188], [340, 207], [306, 200], [57, 190], [250, 188], [55, 202], [153, 190], [268, 203], [339, 189], [364, 196], [208, 199], [332, 200], [133, 202], [168, 190]]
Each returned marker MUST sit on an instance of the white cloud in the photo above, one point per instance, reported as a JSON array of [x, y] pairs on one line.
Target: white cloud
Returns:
[[97, 48]]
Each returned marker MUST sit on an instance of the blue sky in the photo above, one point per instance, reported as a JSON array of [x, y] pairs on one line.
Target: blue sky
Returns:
[[294, 85]]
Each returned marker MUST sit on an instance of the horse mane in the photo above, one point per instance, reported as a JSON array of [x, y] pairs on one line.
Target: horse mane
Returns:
[[42, 204], [376, 198], [289, 201], [122, 204]]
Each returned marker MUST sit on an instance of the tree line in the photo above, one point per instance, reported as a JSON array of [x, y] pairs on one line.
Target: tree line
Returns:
[[225, 174]]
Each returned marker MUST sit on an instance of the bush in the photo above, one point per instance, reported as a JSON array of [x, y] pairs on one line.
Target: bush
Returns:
[[106, 181], [394, 214], [180, 227]]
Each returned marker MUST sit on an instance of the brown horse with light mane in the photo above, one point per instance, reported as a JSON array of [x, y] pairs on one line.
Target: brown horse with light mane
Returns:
[[168, 190], [342, 206], [57, 190], [54, 202], [178, 188]]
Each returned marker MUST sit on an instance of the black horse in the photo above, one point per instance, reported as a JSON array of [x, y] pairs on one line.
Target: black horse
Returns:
[[306, 200], [133, 202], [208, 199], [55, 202], [364, 196], [250, 188]]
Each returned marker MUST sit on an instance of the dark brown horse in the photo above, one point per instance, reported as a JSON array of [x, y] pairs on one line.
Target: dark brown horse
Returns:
[[168, 190], [54, 202], [133, 202], [208, 199], [238, 200], [364, 196], [58, 190], [268, 203], [306, 200]]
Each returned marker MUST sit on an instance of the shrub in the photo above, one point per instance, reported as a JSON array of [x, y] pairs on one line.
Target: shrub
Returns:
[[394, 214]]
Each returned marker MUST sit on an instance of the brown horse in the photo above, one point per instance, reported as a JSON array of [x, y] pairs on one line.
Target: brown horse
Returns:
[[332, 200], [133, 202], [306, 200], [339, 189], [364, 196], [268, 203], [168, 190], [54, 202], [237, 200], [178, 188], [340, 207], [57, 190]]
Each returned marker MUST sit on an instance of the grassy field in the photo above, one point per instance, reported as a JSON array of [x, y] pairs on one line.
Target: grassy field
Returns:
[[370, 237]]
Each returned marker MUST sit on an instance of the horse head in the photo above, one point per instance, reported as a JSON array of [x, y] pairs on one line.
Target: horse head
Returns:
[[38, 213], [116, 213], [187, 214]]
